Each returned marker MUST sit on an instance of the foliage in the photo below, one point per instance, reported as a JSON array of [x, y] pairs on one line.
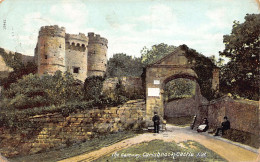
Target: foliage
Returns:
[[120, 93], [13, 117], [203, 66], [15, 61], [123, 65], [179, 88], [33, 91], [157, 52], [242, 48], [77, 149], [93, 88], [12, 60]]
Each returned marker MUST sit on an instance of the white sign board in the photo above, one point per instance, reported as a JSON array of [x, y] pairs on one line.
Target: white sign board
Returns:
[[155, 92], [156, 82]]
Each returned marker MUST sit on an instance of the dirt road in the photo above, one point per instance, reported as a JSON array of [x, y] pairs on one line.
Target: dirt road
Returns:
[[227, 149]]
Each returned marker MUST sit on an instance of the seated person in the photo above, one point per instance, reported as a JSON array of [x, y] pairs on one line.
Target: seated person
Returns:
[[204, 126], [224, 126]]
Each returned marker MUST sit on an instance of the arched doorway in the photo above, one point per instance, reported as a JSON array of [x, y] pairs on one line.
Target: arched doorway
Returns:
[[180, 96], [170, 67]]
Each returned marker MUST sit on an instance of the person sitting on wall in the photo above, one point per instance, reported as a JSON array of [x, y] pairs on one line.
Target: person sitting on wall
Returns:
[[204, 126], [224, 126], [156, 121]]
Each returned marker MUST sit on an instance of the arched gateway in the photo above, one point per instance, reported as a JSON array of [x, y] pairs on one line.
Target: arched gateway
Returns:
[[172, 66]]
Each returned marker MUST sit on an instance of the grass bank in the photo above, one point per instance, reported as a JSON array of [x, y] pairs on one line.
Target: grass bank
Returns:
[[158, 150], [77, 149]]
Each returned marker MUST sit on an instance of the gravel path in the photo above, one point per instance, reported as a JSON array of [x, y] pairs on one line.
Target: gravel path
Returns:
[[228, 150]]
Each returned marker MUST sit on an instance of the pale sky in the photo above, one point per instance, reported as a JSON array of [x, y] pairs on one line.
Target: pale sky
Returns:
[[128, 25]]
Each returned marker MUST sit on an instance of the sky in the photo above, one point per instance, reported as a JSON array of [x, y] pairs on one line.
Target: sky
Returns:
[[128, 25]]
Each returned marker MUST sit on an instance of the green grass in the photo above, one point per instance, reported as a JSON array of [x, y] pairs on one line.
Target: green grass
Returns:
[[74, 150], [180, 121], [191, 151]]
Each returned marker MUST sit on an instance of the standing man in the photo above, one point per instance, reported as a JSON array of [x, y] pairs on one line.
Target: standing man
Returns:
[[224, 126], [156, 121]]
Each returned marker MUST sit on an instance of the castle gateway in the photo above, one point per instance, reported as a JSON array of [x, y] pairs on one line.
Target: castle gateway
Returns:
[[172, 66], [81, 55]]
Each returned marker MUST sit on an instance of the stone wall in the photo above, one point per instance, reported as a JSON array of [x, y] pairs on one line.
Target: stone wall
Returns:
[[79, 54], [172, 66], [54, 130], [97, 58], [242, 114], [4, 69], [180, 107], [76, 55], [215, 79], [51, 50], [133, 86]]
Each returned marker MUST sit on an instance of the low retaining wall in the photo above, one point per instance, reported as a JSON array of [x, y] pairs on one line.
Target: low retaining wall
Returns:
[[180, 107], [242, 114], [54, 130]]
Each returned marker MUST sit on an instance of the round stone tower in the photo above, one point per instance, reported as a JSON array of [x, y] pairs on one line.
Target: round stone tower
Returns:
[[77, 55], [97, 55], [51, 50]]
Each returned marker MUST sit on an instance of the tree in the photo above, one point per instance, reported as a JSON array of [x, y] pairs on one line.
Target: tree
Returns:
[[93, 88], [179, 88], [203, 66], [123, 65], [157, 52], [241, 75]]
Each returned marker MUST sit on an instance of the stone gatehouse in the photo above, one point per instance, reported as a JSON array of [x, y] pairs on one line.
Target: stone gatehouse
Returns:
[[173, 66]]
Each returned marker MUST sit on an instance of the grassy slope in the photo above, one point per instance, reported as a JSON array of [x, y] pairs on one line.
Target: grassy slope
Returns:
[[88, 146], [200, 153]]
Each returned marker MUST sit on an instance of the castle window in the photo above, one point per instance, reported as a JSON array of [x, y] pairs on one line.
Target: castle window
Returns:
[[60, 46], [45, 56], [78, 44], [76, 70], [73, 43]]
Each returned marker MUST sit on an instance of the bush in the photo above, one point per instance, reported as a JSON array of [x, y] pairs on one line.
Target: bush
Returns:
[[93, 88], [16, 118], [33, 91]]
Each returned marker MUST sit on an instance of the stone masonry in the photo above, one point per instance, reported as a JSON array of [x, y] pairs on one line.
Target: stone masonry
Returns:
[[242, 114], [172, 66], [78, 54], [55, 131]]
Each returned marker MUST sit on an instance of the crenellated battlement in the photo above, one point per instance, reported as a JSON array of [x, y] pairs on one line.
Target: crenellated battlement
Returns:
[[80, 54], [95, 38], [77, 37], [52, 31]]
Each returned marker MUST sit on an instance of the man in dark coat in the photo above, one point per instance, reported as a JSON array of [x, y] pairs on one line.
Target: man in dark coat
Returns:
[[224, 126], [156, 121]]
